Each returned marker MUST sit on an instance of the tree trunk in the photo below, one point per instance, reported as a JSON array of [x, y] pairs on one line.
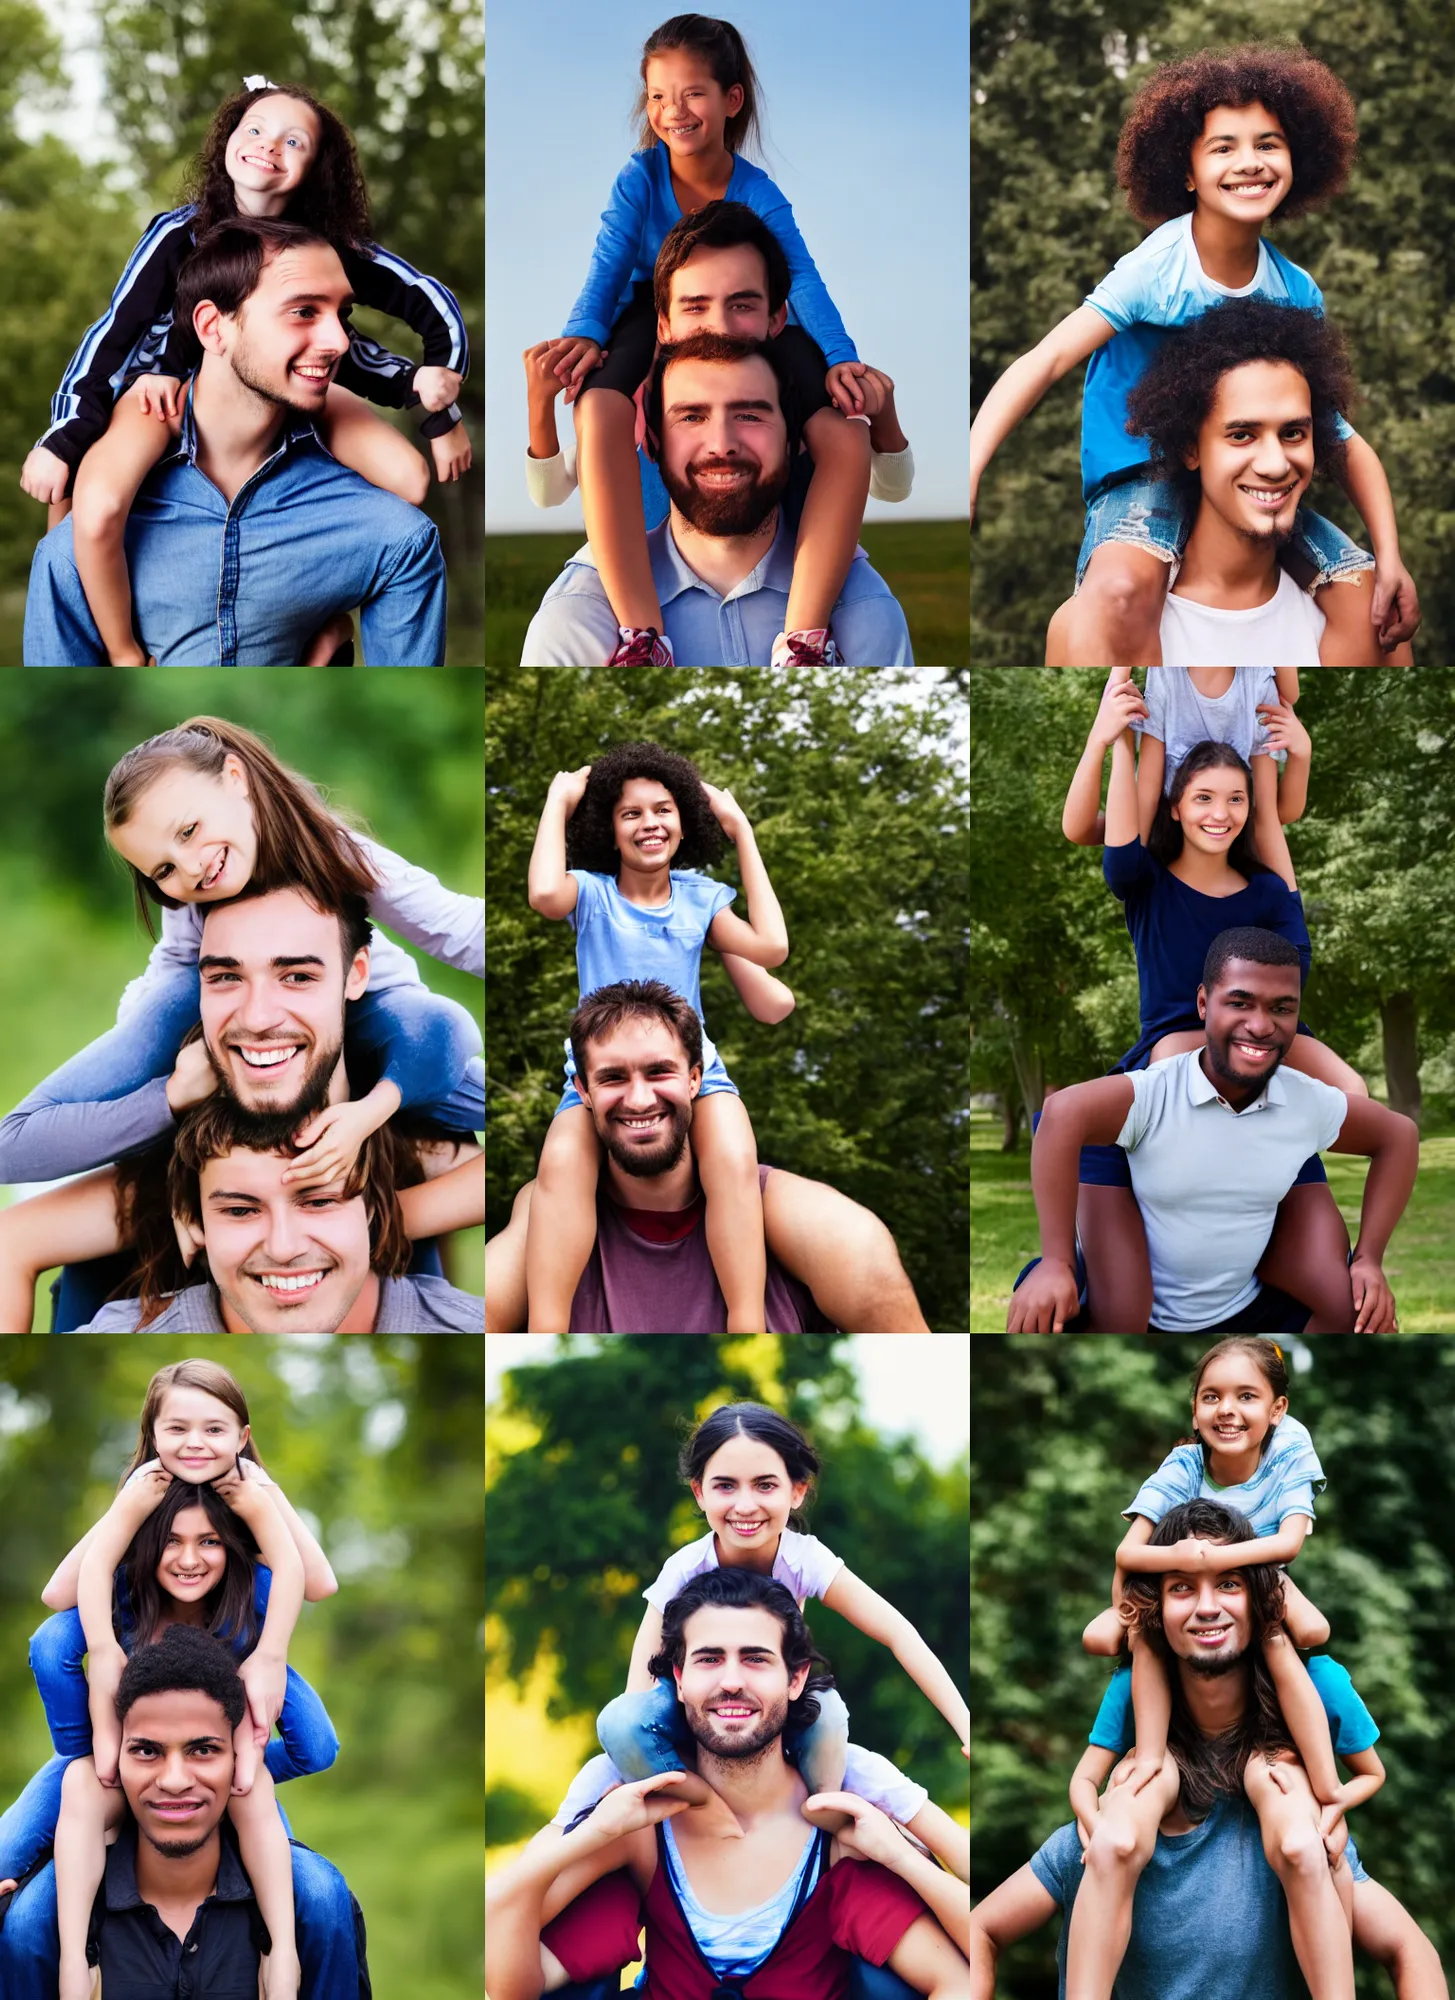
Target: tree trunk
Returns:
[[1030, 1075], [1010, 1118], [1401, 1053]]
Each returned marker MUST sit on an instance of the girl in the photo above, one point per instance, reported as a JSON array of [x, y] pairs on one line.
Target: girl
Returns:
[[193, 1524], [750, 1471], [699, 106], [1214, 145], [272, 150], [1248, 1454], [603, 856]]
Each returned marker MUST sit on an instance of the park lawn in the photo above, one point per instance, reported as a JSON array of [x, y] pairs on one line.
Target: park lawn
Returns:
[[925, 563], [1420, 1265]]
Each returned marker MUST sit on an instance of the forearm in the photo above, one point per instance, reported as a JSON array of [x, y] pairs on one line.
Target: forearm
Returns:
[[96, 1578], [1387, 1191], [983, 1957], [1363, 479], [547, 874], [1014, 396], [318, 1577], [453, 1200], [41, 1139], [1357, 1791], [1085, 1799], [765, 916], [285, 1595], [946, 1897], [1293, 789], [545, 441], [62, 1592], [1081, 818], [1122, 821], [1055, 1171], [932, 1679], [515, 1912]]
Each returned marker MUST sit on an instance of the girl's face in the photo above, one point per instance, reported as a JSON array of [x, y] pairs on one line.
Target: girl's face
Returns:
[[197, 1436], [194, 1559], [647, 824], [194, 835], [1213, 809], [1241, 165], [1234, 1407], [271, 149], [746, 1493], [687, 107]]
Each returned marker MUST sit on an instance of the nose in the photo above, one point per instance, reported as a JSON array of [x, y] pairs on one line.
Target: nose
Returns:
[[330, 335], [285, 1237], [639, 1097], [1258, 1025], [174, 1775], [1207, 1598], [716, 437]]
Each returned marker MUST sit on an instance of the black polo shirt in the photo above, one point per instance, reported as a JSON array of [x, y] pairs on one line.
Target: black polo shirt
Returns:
[[142, 1958]]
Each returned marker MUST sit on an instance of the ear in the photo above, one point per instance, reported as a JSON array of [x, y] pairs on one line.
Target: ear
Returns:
[[664, 331], [798, 1490], [1202, 1003], [677, 1681], [694, 1078], [234, 773], [1191, 458], [796, 1681], [733, 99], [358, 974], [189, 1232], [777, 321], [1280, 1411], [696, 1486], [207, 324]]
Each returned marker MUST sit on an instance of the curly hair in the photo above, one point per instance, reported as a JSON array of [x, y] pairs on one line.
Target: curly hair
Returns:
[[590, 833], [744, 1590], [1175, 396], [183, 1660], [332, 198], [1168, 112]]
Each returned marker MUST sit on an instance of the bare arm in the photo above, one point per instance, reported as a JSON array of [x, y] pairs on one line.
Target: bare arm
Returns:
[[1392, 1142], [319, 1580], [65, 1225], [1385, 1929], [1369, 1776], [873, 1836], [852, 1598], [767, 999], [453, 1200], [1024, 383], [1192, 1554], [1085, 1114], [1091, 1773], [60, 1593], [1151, 770], [1121, 700], [1019, 1906], [763, 939], [550, 889], [646, 1643]]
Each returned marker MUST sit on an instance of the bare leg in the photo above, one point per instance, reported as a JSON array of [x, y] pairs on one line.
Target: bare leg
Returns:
[[1177, 1044], [88, 1810], [562, 1226], [1295, 1851], [106, 484], [1116, 616], [1316, 1058], [1308, 1724], [1307, 1257], [1118, 1273], [611, 500], [1151, 1705], [268, 1860], [505, 1293], [1106, 1636], [833, 514], [1304, 1623], [1121, 1846], [727, 1165], [360, 439]]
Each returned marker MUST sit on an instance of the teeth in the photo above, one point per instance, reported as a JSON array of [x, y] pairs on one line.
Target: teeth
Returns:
[[304, 1282], [266, 1058]]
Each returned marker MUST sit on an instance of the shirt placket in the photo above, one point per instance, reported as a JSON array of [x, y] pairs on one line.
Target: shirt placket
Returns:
[[230, 573]]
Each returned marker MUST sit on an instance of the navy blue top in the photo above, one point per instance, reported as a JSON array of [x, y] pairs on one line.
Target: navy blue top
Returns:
[[1171, 928]]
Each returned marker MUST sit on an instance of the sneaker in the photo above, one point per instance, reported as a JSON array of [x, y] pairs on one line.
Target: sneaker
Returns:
[[806, 649], [642, 648]]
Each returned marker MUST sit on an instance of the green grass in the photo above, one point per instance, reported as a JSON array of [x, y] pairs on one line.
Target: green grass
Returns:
[[1420, 1264], [925, 563]]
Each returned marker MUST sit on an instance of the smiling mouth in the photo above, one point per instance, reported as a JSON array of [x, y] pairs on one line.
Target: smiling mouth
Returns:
[[721, 475], [642, 1126], [685, 131], [1269, 499], [737, 1712], [267, 1055], [1255, 1051], [175, 1810], [746, 1527], [1246, 190], [288, 1286], [263, 166], [1213, 1636], [318, 373], [214, 876]]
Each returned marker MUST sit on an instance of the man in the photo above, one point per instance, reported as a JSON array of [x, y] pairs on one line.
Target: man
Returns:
[[1210, 1921], [1214, 1140], [723, 435], [175, 1915], [743, 1663], [249, 537], [638, 1054], [1243, 403]]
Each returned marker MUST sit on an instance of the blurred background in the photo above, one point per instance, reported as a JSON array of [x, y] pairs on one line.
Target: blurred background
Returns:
[[1063, 1434], [855, 785], [377, 1444], [583, 1505], [102, 105], [400, 753]]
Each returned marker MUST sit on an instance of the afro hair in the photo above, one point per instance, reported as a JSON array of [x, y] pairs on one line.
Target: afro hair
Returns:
[[1171, 402], [183, 1658], [1168, 113], [590, 833]]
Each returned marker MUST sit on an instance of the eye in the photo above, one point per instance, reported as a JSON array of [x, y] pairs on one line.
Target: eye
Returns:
[[239, 1214]]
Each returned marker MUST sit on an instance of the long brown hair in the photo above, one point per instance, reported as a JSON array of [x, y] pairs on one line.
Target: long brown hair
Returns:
[[229, 1610], [1164, 842], [302, 841], [331, 198], [723, 50], [207, 1376]]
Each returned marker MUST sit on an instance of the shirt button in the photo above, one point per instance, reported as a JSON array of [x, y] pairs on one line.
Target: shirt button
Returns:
[[191, 1947]]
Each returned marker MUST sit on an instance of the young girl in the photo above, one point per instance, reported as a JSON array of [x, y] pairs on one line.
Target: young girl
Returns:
[[603, 856], [1248, 1454], [699, 105], [1214, 144], [199, 1535], [750, 1471], [272, 150]]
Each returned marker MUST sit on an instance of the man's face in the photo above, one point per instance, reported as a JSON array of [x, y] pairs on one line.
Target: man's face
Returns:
[[1206, 1618], [721, 291], [273, 993], [289, 337], [1252, 1017], [724, 446], [1255, 450], [639, 1089], [176, 1768], [285, 1259], [733, 1685]]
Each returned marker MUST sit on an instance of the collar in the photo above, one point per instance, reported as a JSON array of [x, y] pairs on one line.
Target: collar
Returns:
[[297, 429], [1201, 1090], [672, 573], [119, 1884]]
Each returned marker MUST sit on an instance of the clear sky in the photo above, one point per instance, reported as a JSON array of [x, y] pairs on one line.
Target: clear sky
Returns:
[[867, 130]]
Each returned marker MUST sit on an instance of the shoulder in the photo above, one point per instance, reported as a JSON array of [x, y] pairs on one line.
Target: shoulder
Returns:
[[171, 229], [1054, 1860], [426, 1305], [1313, 1094], [575, 625], [874, 628], [1297, 282], [119, 1317]]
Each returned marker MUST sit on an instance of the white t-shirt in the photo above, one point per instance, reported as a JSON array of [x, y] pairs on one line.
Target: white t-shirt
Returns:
[[1284, 632], [802, 1562]]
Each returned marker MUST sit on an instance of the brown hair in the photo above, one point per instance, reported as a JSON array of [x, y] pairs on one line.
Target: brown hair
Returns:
[[720, 225], [302, 842], [227, 265], [331, 198], [207, 1376], [634, 999], [723, 50]]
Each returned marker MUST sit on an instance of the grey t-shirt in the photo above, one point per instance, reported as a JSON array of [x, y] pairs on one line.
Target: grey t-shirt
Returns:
[[1178, 716], [1209, 1919], [406, 1305]]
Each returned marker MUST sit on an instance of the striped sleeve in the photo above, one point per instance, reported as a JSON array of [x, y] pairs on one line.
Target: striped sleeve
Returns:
[[1177, 1479], [389, 284]]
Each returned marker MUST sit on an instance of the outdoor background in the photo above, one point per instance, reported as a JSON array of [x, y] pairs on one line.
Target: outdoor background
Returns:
[[866, 133], [1063, 1434], [855, 787], [1054, 977], [377, 1443], [102, 105], [1053, 80], [401, 753], [583, 1506]]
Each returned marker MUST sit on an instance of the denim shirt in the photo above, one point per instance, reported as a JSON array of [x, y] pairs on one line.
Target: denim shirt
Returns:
[[247, 584]]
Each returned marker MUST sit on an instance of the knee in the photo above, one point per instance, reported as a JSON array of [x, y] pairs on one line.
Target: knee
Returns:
[[599, 410], [1122, 595], [320, 1892], [733, 1163], [414, 484], [844, 445], [52, 1646], [98, 512], [1296, 1850], [80, 1784]]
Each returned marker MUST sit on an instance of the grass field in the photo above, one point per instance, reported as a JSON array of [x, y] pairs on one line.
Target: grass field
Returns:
[[1420, 1265], [925, 563]]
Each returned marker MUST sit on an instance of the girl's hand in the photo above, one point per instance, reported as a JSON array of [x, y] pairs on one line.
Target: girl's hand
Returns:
[[436, 388], [842, 384], [246, 1757], [265, 1678], [451, 454], [1395, 612], [245, 1498], [542, 385], [628, 1808], [192, 1078], [872, 1836], [726, 811], [44, 476], [332, 1141], [572, 361], [1333, 1828], [156, 396], [568, 788], [1121, 702], [248, 1468], [145, 1491], [1285, 731]]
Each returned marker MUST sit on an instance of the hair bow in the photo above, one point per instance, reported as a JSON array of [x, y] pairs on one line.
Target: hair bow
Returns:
[[258, 83]]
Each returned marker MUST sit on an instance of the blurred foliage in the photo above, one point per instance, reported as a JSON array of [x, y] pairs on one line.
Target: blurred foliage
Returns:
[[1062, 1436], [855, 789], [378, 1445], [1053, 81], [584, 1505]]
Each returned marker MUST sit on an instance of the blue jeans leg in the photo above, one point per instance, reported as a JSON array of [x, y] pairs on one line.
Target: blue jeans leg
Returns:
[[323, 1916], [28, 1828], [643, 1733], [30, 1945], [419, 1040], [819, 1750], [307, 1740], [57, 1650]]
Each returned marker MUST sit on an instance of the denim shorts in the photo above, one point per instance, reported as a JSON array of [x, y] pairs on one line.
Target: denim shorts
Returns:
[[1156, 515]]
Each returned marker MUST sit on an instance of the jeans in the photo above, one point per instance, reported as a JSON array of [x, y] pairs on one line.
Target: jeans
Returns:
[[1157, 515], [647, 1732]]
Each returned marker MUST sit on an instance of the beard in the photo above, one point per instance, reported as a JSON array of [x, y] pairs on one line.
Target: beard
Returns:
[[758, 1742], [739, 512], [281, 394], [1218, 1060], [642, 1162], [268, 1129], [1211, 1666], [178, 1850]]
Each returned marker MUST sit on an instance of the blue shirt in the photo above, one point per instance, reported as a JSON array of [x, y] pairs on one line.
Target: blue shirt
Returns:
[[575, 626], [638, 217], [247, 584], [1159, 285], [1285, 1482], [616, 939], [1351, 1727]]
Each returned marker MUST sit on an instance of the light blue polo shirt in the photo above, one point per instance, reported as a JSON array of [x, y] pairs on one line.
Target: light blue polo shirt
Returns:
[[1209, 1179], [575, 626]]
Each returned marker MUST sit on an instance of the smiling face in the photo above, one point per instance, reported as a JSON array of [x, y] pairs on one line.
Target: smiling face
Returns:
[[288, 337], [1252, 1017], [733, 1685], [284, 1259], [724, 445], [192, 1563], [747, 1496], [1255, 450], [646, 825], [270, 151], [687, 108], [1241, 164], [721, 291], [192, 834], [1213, 809], [1206, 1619], [176, 1768], [1234, 1407], [639, 1089], [197, 1437]]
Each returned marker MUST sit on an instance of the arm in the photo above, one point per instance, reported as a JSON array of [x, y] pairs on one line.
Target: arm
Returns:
[[550, 889], [1024, 383], [452, 1200], [763, 939], [648, 1639], [1369, 1776], [44, 1137], [1385, 1929], [843, 1253], [1018, 1907], [1392, 1142], [1151, 770], [767, 999], [389, 284], [1081, 819], [852, 1598], [109, 1542], [806, 289], [1091, 1773], [319, 1580], [1395, 612], [920, 1956], [1085, 1114], [1287, 734], [541, 391], [447, 924], [264, 1673], [65, 1225]]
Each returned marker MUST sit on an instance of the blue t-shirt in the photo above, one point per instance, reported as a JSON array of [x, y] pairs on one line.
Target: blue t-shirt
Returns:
[[1286, 1479], [1159, 285], [1172, 926], [1351, 1727], [1209, 1917]]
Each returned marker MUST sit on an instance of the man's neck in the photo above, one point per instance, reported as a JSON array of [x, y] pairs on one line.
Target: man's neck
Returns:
[[1239, 1095], [1226, 248], [177, 1885], [721, 560], [1225, 569], [668, 1192], [754, 1788], [237, 429]]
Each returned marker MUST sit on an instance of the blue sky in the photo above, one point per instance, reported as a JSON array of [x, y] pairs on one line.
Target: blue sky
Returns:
[[867, 131]]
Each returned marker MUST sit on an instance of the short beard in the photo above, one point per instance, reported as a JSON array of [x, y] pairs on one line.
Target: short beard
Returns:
[[741, 512], [267, 1131], [750, 1749], [239, 362], [178, 1850], [1241, 1083], [643, 1163], [1212, 1666]]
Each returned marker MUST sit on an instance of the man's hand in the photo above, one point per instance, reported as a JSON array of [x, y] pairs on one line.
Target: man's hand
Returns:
[[451, 454], [44, 476], [1121, 704], [568, 788], [437, 388], [1395, 611], [1285, 731], [726, 811], [1045, 1300], [193, 1078], [1374, 1310], [1333, 1828]]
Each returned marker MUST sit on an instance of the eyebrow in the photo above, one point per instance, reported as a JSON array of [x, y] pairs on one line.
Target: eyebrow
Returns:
[[1246, 993], [737, 403], [1256, 423], [311, 1191], [212, 959], [319, 298], [705, 1652], [705, 298], [192, 1743], [1218, 138]]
